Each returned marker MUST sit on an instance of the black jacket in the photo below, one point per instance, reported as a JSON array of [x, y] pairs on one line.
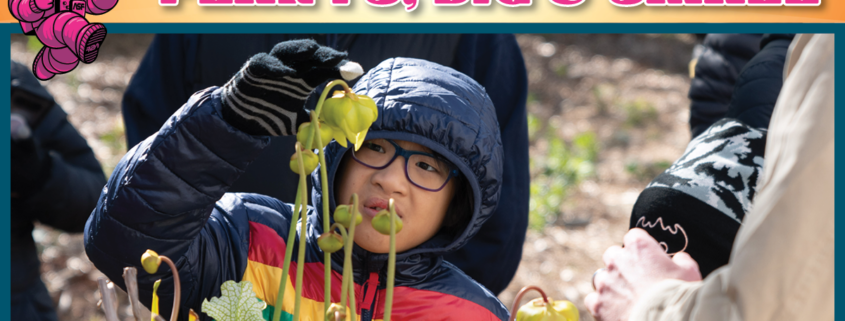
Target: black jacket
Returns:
[[719, 59], [64, 200]]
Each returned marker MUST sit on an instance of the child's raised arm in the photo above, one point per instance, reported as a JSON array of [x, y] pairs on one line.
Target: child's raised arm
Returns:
[[161, 195]]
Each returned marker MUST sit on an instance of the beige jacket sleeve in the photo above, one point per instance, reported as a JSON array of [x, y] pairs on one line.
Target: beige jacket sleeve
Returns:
[[782, 262]]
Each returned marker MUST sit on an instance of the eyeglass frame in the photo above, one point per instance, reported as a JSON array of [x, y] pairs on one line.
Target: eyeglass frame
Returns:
[[454, 172]]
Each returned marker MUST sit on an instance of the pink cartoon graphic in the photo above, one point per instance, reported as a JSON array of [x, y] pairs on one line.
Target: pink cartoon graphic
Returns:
[[61, 26], [678, 235]]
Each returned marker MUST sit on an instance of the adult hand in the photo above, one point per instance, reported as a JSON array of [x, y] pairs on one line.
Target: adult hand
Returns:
[[266, 97], [631, 271]]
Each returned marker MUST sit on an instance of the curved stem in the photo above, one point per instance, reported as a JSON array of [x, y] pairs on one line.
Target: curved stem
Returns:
[[315, 127], [177, 287], [277, 313], [326, 91], [391, 263], [339, 227], [315, 115], [519, 297], [303, 232]]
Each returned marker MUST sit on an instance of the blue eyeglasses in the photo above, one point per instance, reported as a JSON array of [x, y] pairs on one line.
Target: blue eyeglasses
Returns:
[[425, 170]]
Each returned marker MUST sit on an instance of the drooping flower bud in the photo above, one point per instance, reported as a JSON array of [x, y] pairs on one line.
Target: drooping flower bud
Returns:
[[310, 161], [381, 222], [538, 310], [150, 261], [335, 108], [350, 114], [306, 131], [330, 242], [343, 215]]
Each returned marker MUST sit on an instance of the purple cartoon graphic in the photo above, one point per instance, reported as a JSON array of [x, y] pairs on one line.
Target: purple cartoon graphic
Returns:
[[61, 26]]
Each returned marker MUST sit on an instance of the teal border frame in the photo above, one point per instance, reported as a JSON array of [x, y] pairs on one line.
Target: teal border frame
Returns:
[[116, 28]]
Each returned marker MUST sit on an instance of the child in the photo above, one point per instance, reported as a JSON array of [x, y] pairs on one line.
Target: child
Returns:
[[435, 149]]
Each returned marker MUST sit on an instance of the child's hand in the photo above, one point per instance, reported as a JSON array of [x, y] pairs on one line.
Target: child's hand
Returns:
[[267, 95]]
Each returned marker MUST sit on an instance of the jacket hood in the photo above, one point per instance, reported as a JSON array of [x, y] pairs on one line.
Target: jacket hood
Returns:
[[442, 109], [23, 79]]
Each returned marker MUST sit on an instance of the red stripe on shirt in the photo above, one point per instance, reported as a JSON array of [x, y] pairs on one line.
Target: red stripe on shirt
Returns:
[[267, 247]]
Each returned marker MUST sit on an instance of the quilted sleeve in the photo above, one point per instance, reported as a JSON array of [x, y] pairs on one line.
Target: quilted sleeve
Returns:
[[163, 192]]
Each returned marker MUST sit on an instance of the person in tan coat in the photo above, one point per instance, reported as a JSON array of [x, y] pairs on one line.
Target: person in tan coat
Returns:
[[782, 263]]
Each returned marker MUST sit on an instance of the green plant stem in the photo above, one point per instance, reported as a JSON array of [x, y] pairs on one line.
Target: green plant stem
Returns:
[[324, 182], [339, 227], [345, 236], [391, 263], [327, 297], [350, 282], [303, 232], [352, 309], [315, 127], [326, 93], [277, 313], [297, 208], [346, 287]]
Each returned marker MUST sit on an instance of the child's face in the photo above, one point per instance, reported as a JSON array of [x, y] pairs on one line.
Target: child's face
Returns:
[[421, 211]]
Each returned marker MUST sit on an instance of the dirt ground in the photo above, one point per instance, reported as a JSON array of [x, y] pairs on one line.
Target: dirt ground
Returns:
[[628, 90], [605, 74]]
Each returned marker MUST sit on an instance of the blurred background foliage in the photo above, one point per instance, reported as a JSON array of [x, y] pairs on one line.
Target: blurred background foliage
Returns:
[[553, 177]]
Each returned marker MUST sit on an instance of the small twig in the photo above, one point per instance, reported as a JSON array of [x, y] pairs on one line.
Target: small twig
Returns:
[[177, 288], [108, 298], [519, 297], [130, 277]]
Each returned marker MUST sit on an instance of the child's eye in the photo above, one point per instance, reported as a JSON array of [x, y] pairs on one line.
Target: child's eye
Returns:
[[374, 147], [426, 167]]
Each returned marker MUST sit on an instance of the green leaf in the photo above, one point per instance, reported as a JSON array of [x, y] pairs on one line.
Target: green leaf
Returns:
[[154, 309], [237, 303]]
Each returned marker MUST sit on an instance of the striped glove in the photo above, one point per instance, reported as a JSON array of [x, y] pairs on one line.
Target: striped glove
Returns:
[[266, 97]]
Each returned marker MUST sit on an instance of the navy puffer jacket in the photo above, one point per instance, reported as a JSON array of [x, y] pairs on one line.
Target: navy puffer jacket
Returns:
[[169, 194]]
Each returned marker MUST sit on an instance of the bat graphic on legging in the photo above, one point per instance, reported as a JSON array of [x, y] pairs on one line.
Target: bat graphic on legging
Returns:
[[669, 237]]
